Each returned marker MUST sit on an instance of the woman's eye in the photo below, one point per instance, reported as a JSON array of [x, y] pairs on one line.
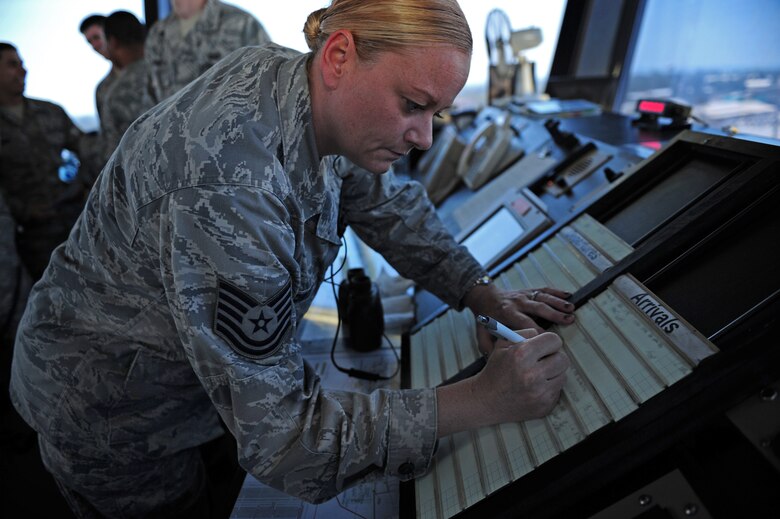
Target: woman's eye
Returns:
[[412, 106]]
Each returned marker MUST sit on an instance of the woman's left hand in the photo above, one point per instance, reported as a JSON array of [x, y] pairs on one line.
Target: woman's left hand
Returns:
[[517, 309]]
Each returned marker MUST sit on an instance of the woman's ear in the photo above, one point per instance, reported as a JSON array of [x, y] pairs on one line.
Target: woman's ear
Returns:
[[338, 54]]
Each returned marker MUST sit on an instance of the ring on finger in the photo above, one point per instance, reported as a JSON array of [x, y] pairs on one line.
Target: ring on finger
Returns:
[[534, 294]]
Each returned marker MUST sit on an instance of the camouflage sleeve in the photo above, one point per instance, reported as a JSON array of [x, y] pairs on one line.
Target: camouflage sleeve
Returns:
[[110, 129], [128, 98], [397, 220], [153, 54], [233, 260], [100, 91]]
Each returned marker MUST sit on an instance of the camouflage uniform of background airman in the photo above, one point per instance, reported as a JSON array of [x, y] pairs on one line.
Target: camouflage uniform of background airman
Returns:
[[43, 206], [14, 287], [181, 289], [12, 294], [102, 89], [128, 98], [176, 60]]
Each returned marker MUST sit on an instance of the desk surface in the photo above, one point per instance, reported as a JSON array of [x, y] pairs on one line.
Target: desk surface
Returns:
[[615, 129]]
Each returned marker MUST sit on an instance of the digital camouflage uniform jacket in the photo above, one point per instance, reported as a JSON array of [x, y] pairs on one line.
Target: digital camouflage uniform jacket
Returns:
[[180, 291], [44, 207], [102, 89], [128, 98], [176, 60]]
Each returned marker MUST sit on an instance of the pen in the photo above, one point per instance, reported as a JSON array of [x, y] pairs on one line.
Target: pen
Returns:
[[499, 330]]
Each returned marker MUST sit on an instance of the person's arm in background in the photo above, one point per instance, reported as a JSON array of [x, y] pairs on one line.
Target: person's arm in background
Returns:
[[128, 100], [154, 53], [75, 140]]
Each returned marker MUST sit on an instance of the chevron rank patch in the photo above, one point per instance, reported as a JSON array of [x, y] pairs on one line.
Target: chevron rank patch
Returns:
[[251, 328]]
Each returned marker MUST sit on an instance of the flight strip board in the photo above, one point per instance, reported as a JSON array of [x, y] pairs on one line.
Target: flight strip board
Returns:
[[626, 346]]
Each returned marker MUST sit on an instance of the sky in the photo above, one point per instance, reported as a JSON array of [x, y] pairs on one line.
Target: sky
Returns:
[[61, 67], [709, 34]]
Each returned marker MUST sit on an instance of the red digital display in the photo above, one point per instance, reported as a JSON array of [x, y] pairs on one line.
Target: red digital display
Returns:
[[653, 145], [653, 107]]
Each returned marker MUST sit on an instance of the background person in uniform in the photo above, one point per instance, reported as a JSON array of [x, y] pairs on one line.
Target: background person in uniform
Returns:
[[20, 461], [130, 95], [203, 244], [33, 135], [197, 34], [15, 284], [92, 27]]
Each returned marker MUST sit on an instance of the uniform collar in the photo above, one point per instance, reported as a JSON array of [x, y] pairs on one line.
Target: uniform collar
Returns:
[[313, 180]]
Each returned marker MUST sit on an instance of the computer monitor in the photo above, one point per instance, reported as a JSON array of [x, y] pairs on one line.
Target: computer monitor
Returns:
[[594, 47]]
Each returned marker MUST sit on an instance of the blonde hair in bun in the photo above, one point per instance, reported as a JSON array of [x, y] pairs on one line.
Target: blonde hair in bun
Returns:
[[384, 25]]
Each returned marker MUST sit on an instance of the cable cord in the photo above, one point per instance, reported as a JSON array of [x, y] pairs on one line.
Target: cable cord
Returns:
[[354, 372]]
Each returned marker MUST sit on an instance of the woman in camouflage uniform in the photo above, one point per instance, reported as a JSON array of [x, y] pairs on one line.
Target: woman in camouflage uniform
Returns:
[[177, 299]]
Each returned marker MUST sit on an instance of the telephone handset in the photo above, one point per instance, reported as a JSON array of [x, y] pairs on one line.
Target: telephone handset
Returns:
[[439, 164], [485, 151]]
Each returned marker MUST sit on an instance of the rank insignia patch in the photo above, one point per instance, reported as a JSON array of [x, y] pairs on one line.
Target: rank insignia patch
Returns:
[[251, 328]]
